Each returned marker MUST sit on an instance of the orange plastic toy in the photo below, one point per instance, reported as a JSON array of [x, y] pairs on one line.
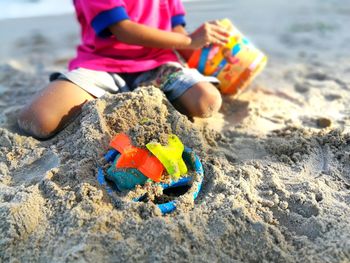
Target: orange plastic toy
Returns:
[[133, 157]]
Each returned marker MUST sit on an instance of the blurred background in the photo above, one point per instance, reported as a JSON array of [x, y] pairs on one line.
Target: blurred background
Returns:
[[296, 29]]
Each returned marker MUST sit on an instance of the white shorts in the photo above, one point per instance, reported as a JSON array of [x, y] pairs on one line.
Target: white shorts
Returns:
[[172, 78]]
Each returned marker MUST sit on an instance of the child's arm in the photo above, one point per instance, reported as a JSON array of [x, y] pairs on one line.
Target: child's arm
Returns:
[[185, 53], [133, 33]]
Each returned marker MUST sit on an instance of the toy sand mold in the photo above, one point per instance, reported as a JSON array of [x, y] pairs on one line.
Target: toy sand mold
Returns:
[[131, 167], [235, 64]]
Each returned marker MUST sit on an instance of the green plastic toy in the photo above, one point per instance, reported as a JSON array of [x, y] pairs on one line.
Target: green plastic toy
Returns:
[[170, 156]]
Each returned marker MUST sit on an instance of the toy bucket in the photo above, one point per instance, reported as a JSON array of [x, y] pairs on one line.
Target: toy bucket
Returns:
[[235, 64]]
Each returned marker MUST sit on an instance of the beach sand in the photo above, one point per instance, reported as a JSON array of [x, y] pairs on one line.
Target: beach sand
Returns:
[[276, 159]]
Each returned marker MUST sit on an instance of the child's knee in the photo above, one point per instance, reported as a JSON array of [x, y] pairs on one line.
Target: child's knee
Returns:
[[201, 100], [35, 123], [209, 102], [213, 102]]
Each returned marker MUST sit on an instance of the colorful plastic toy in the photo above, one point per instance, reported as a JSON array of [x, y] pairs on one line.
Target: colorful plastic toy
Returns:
[[125, 179], [170, 156], [137, 158], [235, 64], [195, 181]]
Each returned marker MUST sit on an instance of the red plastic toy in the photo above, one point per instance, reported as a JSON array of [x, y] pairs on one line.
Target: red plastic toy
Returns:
[[134, 157]]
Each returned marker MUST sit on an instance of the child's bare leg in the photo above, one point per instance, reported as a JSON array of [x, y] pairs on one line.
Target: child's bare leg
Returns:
[[52, 109], [201, 100]]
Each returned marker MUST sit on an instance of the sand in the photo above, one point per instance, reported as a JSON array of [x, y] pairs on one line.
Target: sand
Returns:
[[276, 159]]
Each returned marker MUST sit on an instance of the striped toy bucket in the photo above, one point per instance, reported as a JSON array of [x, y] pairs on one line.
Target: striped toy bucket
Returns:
[[235, 64]]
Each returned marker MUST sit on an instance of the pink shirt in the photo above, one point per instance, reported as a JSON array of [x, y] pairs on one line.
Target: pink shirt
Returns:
[[100, 50]]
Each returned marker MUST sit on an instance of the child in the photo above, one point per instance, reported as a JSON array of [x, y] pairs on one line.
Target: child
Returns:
[[126, 44]]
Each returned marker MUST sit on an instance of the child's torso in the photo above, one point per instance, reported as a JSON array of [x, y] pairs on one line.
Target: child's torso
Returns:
[[109, 54]]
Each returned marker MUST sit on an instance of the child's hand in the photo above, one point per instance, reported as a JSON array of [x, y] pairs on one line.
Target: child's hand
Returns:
[[209, 33]]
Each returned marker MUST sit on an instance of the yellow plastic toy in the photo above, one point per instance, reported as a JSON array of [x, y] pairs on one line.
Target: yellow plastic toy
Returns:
[[170, 156]]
